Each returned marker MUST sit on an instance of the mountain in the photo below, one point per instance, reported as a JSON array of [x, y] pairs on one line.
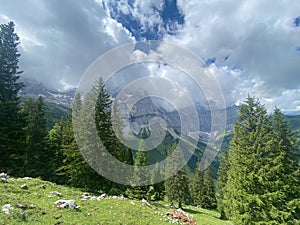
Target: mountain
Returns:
[[294, 122], [147, 112], [33, 89], [57, 103]]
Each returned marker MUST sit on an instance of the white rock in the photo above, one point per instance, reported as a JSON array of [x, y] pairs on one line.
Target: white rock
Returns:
[[56, 193], [4, 175], [6, 209], [66, 204], [145, 202], [24, 186]]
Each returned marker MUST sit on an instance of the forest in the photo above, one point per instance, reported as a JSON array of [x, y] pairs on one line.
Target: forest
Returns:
[[258, 174]]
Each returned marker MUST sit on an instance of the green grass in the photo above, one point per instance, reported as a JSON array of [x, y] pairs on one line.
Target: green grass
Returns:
[[40, 208]]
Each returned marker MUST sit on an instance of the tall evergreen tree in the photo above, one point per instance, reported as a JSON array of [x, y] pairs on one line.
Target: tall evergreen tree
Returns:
[[55, 138], [222, 179], [259, 189], [141, 159], [285, 169], [11, 133], [209, 194], [177, 186], [242, 202], [75, 167], [36, 154], [157, 188], [197, 188]]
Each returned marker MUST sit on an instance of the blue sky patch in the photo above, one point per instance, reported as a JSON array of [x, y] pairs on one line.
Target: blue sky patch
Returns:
[[297, 21], [170, 14]]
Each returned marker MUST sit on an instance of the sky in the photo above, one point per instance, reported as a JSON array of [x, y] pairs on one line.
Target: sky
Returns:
[[251, 47]]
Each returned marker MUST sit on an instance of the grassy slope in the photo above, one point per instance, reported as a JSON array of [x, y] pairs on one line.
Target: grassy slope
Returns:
[[41, 209]]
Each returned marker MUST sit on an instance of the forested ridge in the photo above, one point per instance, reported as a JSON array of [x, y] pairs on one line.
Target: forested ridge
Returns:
[[258, 178]]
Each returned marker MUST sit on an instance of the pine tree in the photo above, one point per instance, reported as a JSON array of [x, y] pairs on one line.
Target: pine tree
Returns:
[[123, 153], [11, 124], [177, 186], [55, 138], [222, 179], [209, 195], [197, 188], [242, 202], [75, 167], [141, 159], [157, 189], [36, 154], [286, 170], [259, 189]]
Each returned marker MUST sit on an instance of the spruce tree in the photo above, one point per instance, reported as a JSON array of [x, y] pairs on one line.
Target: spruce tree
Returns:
[[262, 175], [197, 188], [55, 138], [209, 195], [141, 159], [242, 192], [75, 167], [177, 186], [11, 124], [36, 151], [286, 170], [222, 179], [157, 189]]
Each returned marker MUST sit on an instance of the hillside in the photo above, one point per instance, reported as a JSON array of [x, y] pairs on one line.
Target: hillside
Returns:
[[37, 205], [294, 122]]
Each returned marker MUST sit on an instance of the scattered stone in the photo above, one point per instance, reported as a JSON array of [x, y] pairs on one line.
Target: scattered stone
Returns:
[[66, 204], [23, 215], [55, 193], [24, 178], [4, 177], [24, 187], [85, 196], [20, 206], [181, 216], [89, 214], [145, 202], [131, 203], [57, 216], [103, 196], [6, 209]]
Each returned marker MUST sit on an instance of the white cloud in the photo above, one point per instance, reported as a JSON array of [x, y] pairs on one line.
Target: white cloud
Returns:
[[58, 34], [257, 36]]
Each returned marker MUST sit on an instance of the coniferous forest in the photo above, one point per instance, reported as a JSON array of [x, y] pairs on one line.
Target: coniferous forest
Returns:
[[258, 177]]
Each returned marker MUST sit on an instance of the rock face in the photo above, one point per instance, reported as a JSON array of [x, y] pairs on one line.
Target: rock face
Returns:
[[148, 108], [33, 89]]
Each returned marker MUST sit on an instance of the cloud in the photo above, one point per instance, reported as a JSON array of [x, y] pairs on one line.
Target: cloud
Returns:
[[249, 46], [259, 37], [60, 39]]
